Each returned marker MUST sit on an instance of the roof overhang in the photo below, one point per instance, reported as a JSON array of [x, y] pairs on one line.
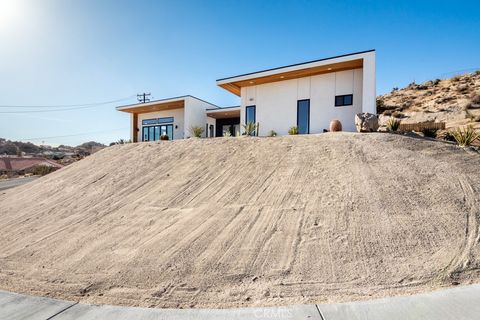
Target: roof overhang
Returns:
[[158, 105], [224, 113], [312, 68]]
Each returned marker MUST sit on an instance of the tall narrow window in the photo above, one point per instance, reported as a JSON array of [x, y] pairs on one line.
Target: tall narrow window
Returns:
[[303, 116], [250, 114], [145, 133]]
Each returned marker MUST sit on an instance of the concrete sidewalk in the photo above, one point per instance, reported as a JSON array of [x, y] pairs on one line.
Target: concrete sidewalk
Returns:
[[455, 304]]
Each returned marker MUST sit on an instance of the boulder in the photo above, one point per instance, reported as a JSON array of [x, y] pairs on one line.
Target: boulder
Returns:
[[366, 122]]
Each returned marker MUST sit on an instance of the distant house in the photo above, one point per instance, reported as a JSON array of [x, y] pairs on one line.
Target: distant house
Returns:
[[21, 165], [306, 95]]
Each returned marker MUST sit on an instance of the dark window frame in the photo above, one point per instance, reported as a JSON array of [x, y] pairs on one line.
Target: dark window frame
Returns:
[[298, 109], [342, 104], [254, 113], [155, 127]]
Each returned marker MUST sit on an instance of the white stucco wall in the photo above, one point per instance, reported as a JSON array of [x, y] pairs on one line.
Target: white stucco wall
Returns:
[[369, 83], [178, 121], [276, 103], [195, 114], [212, 121]]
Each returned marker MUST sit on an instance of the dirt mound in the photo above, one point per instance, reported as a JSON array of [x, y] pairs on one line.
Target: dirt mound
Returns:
[[246, 221]]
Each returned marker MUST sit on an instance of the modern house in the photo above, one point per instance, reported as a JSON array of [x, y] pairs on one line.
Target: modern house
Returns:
[[171, 117], [306, 95]]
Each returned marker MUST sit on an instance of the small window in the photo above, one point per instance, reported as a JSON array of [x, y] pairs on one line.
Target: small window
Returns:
[[344, 100]]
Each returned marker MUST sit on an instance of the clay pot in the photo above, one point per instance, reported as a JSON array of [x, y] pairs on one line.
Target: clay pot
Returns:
[[335, 125]]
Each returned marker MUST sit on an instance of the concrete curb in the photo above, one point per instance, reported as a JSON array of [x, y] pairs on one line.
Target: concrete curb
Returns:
[[461, 303]]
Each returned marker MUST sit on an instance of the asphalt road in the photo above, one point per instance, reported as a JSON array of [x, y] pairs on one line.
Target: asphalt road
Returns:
[[11, 183]]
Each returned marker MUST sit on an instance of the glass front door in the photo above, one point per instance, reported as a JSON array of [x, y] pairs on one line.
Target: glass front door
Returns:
[[154, 133]]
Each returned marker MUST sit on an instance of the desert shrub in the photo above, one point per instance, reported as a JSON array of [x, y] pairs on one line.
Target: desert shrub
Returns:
[[398, 114], [121, 141], [394, 89], [196, 131], [272, 133], [393, 124], [249, 128], [43, 170], [293, 130], [477, 73], [465, 136], [436, 81], [165, 137], [227, 134], [430, 133], [380, 103], [456, 78]]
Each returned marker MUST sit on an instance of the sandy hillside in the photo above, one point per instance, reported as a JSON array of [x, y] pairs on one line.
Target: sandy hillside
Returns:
[[455, 101], [247, 221]]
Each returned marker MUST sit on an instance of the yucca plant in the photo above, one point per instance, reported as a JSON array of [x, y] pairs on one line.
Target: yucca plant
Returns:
[[293, 130], [250, 128], [227, 134], [393, 124], [465, 136], [196, 131]]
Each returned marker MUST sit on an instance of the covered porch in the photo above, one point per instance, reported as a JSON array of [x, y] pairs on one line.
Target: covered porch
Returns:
[[223, 121]]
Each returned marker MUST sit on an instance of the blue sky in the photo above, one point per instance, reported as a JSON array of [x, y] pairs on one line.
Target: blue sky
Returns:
[[57, 52]]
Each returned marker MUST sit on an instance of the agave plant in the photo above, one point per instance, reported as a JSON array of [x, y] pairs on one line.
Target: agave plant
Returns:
[[465, 136], [250, 128], [272, 133], [293, 131], [196, 131], [393, 124]]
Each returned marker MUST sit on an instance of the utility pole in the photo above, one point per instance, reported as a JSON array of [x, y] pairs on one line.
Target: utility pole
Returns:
[[143, 97]]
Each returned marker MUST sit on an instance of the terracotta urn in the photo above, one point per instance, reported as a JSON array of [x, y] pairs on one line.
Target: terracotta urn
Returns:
[[335, 125]]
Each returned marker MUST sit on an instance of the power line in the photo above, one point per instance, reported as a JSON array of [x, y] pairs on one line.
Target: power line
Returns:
[[49, 110], [68, 105], [73, 135]]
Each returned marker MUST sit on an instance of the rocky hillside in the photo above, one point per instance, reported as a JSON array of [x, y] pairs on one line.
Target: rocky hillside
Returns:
[[455, 101]]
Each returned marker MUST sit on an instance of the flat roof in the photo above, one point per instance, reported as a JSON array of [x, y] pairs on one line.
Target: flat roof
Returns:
[[222, 108], [161, 104], [298, 70], [224, 113]]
